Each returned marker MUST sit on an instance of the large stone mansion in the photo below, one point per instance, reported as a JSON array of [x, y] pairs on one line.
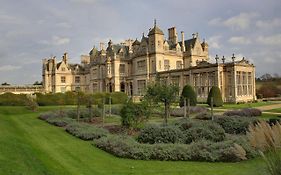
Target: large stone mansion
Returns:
[[129, 66]]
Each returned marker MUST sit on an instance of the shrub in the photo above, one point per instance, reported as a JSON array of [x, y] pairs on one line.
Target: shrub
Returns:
[[235, 124], [205, 130], [188, 93], [263, 137], [46, 115], [243, 141], [158, 134], [10, 99], [59, 121], [84, 113], [249, 112], [115, 109], [203, 116], [215, 93], [269, 90], [126, 147], [133, 114], [86, 131], [30, 104], [185, 124], [179, 112], [273, 162], [119, 98]]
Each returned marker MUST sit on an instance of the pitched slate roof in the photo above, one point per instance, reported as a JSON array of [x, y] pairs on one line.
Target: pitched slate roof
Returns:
[[155, 30]]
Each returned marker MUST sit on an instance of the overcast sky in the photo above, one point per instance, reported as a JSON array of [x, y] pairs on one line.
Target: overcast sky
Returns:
[[31, 30]]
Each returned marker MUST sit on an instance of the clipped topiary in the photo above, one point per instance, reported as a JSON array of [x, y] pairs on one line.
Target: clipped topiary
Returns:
[[188, 93], [216, 94]]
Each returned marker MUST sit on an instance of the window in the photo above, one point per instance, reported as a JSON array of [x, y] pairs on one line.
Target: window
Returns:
[[179, 64], [62, 69], [239, 83], [141, 86], [160, 64], [166, 64], [122, 69], [77, 79], [250, 87], [141, 65], [62, 79]]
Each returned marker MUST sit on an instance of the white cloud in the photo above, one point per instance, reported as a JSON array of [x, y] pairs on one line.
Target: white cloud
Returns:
[[215, 21], [214, 42], [239, 40], [56, 41], [239, 22], [9, 68], [270, 40], [269, 24]]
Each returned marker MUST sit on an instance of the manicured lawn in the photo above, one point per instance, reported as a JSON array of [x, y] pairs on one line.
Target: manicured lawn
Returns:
[[269, 116], [246, 105], [275, 110], [29, 146]]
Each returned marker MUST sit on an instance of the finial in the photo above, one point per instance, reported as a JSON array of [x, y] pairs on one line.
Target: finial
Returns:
[[142, 34], [155, 22], [233, 57], [223, 59], [217, 57], [193, 35]]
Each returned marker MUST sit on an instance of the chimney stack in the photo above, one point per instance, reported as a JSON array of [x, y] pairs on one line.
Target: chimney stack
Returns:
[[182, 41], [65, 58], [173, 36]]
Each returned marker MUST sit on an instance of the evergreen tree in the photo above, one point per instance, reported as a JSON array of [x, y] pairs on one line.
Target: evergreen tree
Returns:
[[188, 93], [217, 98]]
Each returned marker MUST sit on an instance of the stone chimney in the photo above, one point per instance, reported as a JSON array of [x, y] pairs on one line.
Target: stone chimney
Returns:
[[65, 58], [182, 42], [173, 36]]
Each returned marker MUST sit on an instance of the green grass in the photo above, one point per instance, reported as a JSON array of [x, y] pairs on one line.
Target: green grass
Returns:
[[246, 105], [269, 116], [278, 110], [29, 146]]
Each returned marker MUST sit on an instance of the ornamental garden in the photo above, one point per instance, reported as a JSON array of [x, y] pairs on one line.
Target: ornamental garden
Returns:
[[165, 125]]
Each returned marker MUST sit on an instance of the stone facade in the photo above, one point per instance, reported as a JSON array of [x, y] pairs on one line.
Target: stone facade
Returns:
[[131, 65]]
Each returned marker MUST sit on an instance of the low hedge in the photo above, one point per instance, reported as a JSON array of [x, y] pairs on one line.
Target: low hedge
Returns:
[[84, 113], [205, 130], [179, 112], [10, 99], [246, 112], [59, 121], [235, 124], [185, 131], [86, 131], [127, 147], [159, 134]]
